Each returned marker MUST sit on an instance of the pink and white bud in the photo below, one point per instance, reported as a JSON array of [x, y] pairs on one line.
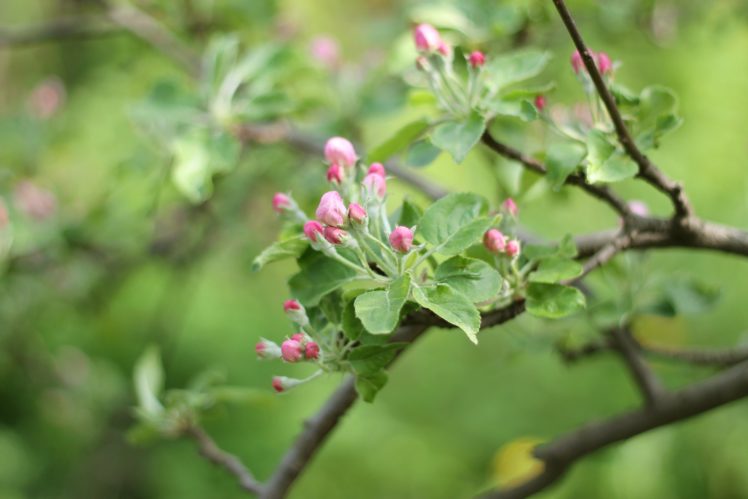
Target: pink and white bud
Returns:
[[377, 169], [375, 185], [281, 202], [312, 230], [291, 350], [295, 312], [426, 38], [639, 208], [357, 213], [444, 49], [576, 61], [283, 383], [511, 207], [298, 337], [477, 59], [33, 201], [331, 209], [512, 248], [326, 51], [267, 349], [340, 151], [540, 102], [401, 239], [335, 235], [494, 241], [335, 174], [311, 351], [604, 64]]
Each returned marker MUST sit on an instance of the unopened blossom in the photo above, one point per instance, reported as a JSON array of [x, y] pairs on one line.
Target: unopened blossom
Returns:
[[291, 350], [296, 312], [325, 50], [357, 213], [340, 151], [401, 239], [444, 49], [576, 61], [281, 202], [604, 64], [331, 209], [377, 168], [477, 59], [335, 235], [494, 241], [512, 248], [284, 383], [540, 102], [266, 349], [639, 208], [311, 351], [311, 230], [511, 207], [298, 337], [335, 174], [375, 184], [426, 37]]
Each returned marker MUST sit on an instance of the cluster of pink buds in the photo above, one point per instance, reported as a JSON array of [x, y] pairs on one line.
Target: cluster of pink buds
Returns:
[[299, 347], [603, 61], [497, 243]]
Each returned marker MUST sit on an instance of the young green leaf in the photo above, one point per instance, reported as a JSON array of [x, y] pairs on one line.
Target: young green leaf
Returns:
[[379, 311], [399, 140], [369, 385], [454, 222], [553, 300], [562, 159], [458, 137], [318, 276], [514, 67], [556, 269], [369, 359], [450, 305], [149, 382], [421, 153], [473, 278], [280, 250]]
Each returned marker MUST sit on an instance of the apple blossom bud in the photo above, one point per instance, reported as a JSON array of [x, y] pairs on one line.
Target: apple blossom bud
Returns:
[[444, 49], [375, 185], [311, 229], [511, 207], [401, 239], [377, 168], [512, 248], [639, 208], [335, 235], [540, 102], [298, 337], [335, 174], [494, 241], [576, 61], [340, 151], [477, 59], [4, 216], [331, 209], [426, 38], [326, 51], [283, 383], [296, 312], [311, 351], [291, 350], [604, 64], [281, 202], [357, 213], [266, 349]]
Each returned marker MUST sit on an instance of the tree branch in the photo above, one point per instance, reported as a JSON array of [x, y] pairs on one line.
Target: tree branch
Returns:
[[648, 384], [65, 28], [647, 170]]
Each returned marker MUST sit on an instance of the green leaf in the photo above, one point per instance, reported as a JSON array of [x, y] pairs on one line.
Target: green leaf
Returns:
[[689, 296], [562, 159], [473, 278], [455, 222], [352, 326], [458, 137], [280, 250], [604, 163], [450, 305], [410, 214], [553, 300], [556, 269], [514, 67], [379, 310], [319, 276], [421, 153], [399, 140], [149, 382], [654, 102], [369, 359], [369, 385], [331, 305], [521, 109], [192, 174]]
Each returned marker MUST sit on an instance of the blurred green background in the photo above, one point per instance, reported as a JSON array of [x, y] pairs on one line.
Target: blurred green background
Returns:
[[108, 257]]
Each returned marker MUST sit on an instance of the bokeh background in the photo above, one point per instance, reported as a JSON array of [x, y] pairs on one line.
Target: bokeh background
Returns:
[[107, 258]]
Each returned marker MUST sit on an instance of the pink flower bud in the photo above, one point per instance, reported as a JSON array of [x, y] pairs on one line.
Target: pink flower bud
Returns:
[[540, 102], [289, 305], [512, 248], [325, 50], [311, 351], [281, 202], [401, 239], [477, 59], [291, 350], [511, 207], [444, 49], [298, 337], [340, 151], [426, 37], [494, 241], [576, 61], [266, 349], [331, 209], [375, 184], [283, 383], [278, 384], [296, 312], [378, 169], [4, 216], [311, 229], [335, 174], [639, 208], [335, 235], [604, 64], [357, 213]]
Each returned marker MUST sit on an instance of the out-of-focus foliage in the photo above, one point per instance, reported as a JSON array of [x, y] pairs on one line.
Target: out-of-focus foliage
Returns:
[[105, 255]]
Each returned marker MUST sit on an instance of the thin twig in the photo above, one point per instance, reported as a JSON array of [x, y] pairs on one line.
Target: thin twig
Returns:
[[210, 451], [647, 170]]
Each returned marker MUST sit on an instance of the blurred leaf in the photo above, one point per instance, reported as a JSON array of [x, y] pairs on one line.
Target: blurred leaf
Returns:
[[149, 381], [379, 311], [352, 326], [445, 16], [454, 222], [522, 109], [319, 275], [690, 296], [450, 305], [515, 67], [515, 464], [421, 153], [555, 269], [553, 300], [399, 140], [280, 250], [604, 163], [369, 385], [370, 359], [562, 159], [409, 214], [474, 278], [457, 137]]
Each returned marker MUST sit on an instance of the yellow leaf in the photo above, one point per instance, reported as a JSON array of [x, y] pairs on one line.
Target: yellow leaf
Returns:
[[514, 463]]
